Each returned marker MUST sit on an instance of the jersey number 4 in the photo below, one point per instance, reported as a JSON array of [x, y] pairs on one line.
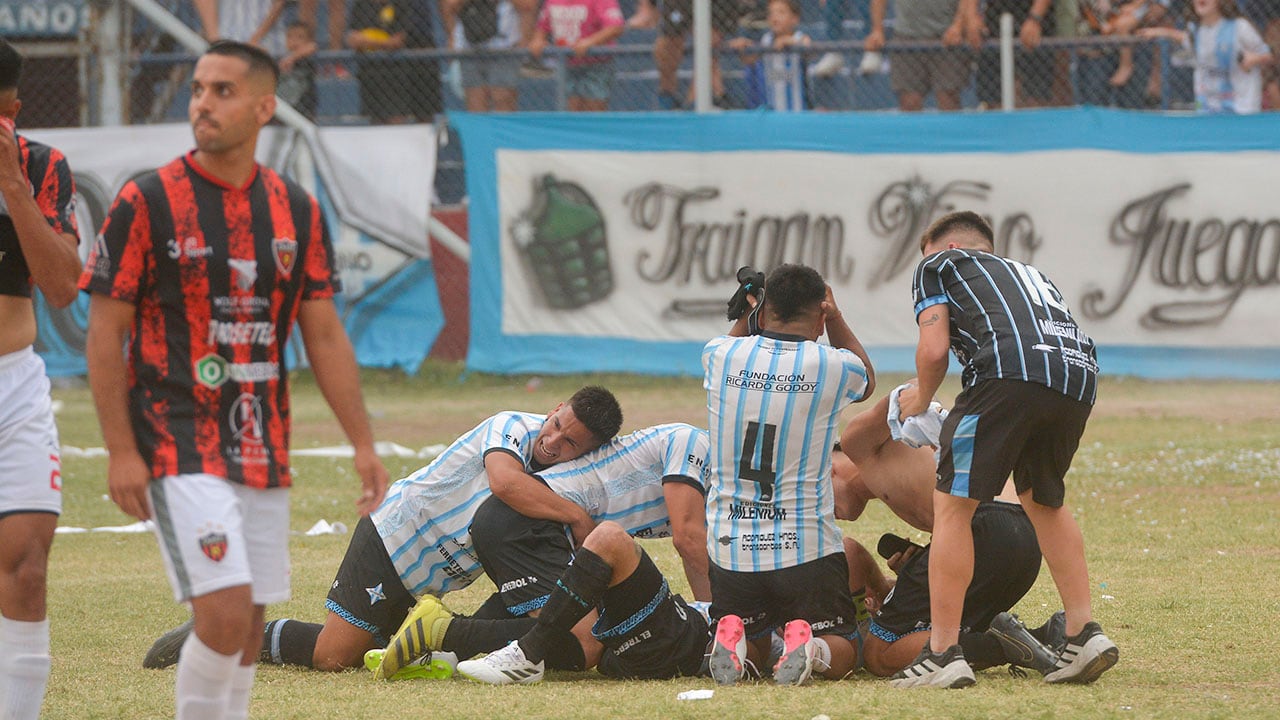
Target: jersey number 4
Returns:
[[764, 474]]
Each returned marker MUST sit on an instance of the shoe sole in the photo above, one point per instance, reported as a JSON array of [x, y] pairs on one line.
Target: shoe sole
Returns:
[[794, 670], [951, 677], [725, 668], [796, 666], [508, 680], [1102, 662], [433, 670]]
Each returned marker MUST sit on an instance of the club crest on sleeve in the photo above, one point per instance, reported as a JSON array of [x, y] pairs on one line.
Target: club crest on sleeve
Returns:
[[285, 251]]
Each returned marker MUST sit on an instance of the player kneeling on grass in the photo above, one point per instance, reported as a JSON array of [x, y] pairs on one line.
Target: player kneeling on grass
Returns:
[[647, 632]]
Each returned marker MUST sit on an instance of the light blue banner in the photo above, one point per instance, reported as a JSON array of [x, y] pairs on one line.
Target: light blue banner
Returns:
[[1167, 342]]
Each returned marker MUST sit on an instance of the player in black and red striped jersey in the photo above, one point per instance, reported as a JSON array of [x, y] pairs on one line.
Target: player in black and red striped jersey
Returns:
[[37, 249], [203, 266]]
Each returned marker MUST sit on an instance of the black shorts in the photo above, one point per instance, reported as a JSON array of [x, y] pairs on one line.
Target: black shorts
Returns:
[[648, 633], [677, 17], [816, 591], [522, 556], [1006, 563], [367, 591], [999, 427]]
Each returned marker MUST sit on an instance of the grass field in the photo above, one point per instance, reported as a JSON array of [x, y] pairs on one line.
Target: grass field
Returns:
[[1176, 486]]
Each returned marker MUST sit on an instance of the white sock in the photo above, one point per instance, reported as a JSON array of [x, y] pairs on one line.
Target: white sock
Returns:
[[821, 655], [241, 687], [203, 685], [24, 667]]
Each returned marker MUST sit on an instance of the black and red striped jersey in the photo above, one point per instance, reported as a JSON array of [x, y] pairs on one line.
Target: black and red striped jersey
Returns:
[[217, 274], [51, 185]]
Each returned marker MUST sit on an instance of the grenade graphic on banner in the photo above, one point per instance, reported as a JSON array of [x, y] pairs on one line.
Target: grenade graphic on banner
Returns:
[[562, 239]]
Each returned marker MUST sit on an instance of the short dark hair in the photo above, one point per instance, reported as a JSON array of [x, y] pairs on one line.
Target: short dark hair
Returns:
[[959, 220], [793, 290], [792, 5], [597, 408], [258, 59], [10, 65]]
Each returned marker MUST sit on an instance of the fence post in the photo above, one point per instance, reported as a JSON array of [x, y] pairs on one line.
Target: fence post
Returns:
[[702, 56], [1006, 62], [107, 34]]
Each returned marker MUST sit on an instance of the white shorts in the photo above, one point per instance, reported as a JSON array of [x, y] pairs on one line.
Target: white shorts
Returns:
[[30, 464], [215, 534]]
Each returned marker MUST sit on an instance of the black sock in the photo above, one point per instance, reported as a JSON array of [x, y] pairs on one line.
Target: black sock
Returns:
[[289, 642], [981, 650], [575, 594], [469, 636], [564, 651], [860, 611]]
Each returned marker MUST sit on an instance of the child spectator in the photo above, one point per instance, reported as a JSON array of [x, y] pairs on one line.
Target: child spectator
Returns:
[[776, 80], [1125, 21], [1229, 57], [582, 25], [297, 84]]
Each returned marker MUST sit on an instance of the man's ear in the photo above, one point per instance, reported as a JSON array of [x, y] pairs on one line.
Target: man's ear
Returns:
[[267, 109]]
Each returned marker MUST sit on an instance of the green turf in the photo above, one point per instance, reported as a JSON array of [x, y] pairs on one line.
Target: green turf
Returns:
[[1176, 485]]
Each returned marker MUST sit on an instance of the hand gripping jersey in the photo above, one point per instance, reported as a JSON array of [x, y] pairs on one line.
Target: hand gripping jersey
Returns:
[[622, 480], [217, 274], [425, 520], [51, 185], [1008, 321], [774, 406]]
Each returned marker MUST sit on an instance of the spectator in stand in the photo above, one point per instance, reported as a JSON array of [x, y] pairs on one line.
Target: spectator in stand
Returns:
[[1119, 77], [1033, 66], [776, 80], [668, 48], [945, 71], [397, 89], [489, 80], [335, 19], [582, 25], [834, 13], [297, 84], [1271, 71], [256, 22], [1229, 53]]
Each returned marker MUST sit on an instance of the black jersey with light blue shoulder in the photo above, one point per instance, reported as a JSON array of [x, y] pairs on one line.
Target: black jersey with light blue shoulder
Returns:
[[1008, 321]]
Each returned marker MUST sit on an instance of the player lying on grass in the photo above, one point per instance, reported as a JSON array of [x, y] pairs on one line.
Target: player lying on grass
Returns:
[[647, 632], [877, 466], [650, 483], [418, 540]]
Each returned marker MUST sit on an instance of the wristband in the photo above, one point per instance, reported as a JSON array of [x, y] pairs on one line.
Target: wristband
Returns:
[[1037, 17]]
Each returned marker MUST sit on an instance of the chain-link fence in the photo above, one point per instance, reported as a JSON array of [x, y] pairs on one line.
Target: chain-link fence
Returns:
[[382, 61]]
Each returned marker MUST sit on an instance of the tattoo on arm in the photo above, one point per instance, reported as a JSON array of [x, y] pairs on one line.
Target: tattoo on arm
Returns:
[[929, 320]]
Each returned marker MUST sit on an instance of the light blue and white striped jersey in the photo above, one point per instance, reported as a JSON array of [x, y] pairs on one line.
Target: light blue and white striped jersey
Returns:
[[425, 520], [773, 405], [622, 480], [777, 80]]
